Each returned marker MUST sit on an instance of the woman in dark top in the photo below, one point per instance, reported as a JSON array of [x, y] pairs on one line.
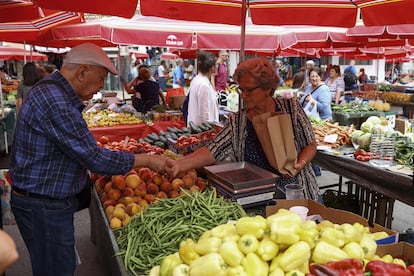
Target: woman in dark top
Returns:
[[238, 140], [148, 92]]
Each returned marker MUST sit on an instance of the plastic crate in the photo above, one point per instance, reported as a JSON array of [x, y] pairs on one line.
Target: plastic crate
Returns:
[[375, 207]]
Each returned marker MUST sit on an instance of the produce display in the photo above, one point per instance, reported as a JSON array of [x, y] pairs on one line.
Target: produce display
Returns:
[[124, 196], [158, 231], [176, 139], [324, 128], [404, 143], [281, 244], [397, 97], [107, 117], [130, 145], [352, 108]]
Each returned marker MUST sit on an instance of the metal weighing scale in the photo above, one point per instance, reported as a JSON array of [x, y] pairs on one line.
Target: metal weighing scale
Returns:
[[243, 182]]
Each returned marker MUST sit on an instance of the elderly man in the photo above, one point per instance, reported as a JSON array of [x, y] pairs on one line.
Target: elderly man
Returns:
[[51, 153]]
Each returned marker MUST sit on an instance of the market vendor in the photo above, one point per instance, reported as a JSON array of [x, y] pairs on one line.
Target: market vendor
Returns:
[[51, 153], [238, 141]]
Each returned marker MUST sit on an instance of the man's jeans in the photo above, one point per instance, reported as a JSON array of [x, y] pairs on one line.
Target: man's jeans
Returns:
[[46, 226]]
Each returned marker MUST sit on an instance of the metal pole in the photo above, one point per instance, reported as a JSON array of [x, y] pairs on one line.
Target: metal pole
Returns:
[[243, 30]]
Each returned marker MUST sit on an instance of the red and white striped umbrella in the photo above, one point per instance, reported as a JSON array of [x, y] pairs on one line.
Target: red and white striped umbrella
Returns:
[[30, 31], [12, 53]]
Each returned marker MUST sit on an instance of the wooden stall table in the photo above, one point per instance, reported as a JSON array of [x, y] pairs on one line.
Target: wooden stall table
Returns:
[[119, 132], [408, 108], [396, 186]]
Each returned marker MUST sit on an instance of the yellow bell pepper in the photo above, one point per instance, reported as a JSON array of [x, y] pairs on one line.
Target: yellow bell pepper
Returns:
[[235, 238], [267, 250], [309, 235], [304, 268], [252, 225], [207, 265], [295, 256], [248, 243], [254, 266], [387, 258], [231, 253], [351, 234], [224, 230], [187, 251], [325, 252], [379, 235], [181, 270], [207, 245], [155, 271], [369, 246], [206, 234], [295, 273], [274, 265], [284, 215], [399, 262], [169, 263], [354, 250], [324, 224], [277, 272], [359, 227], [333, 236], [286, 232], [236, 271]]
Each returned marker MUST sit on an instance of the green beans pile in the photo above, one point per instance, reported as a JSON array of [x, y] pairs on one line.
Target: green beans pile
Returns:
[[158, 231]]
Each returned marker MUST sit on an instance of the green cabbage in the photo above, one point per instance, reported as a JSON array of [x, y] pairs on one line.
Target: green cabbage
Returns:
[[410, 136], [364, 141], [375, 120], [379, 129], [366, 126]]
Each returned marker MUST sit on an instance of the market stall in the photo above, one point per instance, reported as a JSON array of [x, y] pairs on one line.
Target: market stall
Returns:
[[397, 186]]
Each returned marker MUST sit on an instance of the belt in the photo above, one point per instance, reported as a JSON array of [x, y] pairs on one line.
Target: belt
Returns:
[[22, 192]]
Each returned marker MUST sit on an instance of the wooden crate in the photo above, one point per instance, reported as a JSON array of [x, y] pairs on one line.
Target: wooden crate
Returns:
[[375, 207]]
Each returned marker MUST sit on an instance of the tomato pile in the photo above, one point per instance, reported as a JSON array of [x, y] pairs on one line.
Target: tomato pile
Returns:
[[362, 155]]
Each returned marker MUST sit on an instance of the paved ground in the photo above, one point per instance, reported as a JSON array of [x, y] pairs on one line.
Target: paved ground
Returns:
[[91, 266]]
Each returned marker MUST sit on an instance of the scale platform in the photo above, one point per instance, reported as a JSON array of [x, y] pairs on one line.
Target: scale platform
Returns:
[[243, 182]]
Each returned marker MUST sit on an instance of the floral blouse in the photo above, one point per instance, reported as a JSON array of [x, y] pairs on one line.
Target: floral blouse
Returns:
[[238, 142]]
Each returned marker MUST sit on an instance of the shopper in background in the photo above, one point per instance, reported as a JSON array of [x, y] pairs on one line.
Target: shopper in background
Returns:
[[178, 75], [148, 92], [202, 105], [31, 75], [162, 75], [219, 78], [318, 93], [238, 140], [309, 66], [298, 78], [49, 69], [51, 153], [188, 70], [335, 83], [8, 252], [362, 77]]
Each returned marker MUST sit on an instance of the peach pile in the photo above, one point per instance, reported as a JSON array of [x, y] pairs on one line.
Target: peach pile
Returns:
[[124, 196]]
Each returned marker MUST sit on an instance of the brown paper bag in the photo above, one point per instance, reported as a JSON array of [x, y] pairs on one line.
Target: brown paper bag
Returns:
[[275, 134]]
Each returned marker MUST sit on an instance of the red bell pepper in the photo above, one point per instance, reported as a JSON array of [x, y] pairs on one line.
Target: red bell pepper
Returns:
[[380, 268], [411, 268]]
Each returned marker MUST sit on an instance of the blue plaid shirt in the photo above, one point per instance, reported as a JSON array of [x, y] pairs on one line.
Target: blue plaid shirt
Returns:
[[53, 147]]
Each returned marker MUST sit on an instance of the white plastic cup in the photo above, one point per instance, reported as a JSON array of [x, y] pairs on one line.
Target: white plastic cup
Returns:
[[294, 191], [302, 211]]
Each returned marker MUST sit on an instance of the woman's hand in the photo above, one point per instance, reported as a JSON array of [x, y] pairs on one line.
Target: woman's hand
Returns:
[[172, 167]]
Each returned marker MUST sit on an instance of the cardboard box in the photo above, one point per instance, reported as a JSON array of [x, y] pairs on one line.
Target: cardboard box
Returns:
[[333, 215], [403, 125], [397, 249]]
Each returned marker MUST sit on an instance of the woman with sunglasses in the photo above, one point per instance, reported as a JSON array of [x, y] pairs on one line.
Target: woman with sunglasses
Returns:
[[238, 141]]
